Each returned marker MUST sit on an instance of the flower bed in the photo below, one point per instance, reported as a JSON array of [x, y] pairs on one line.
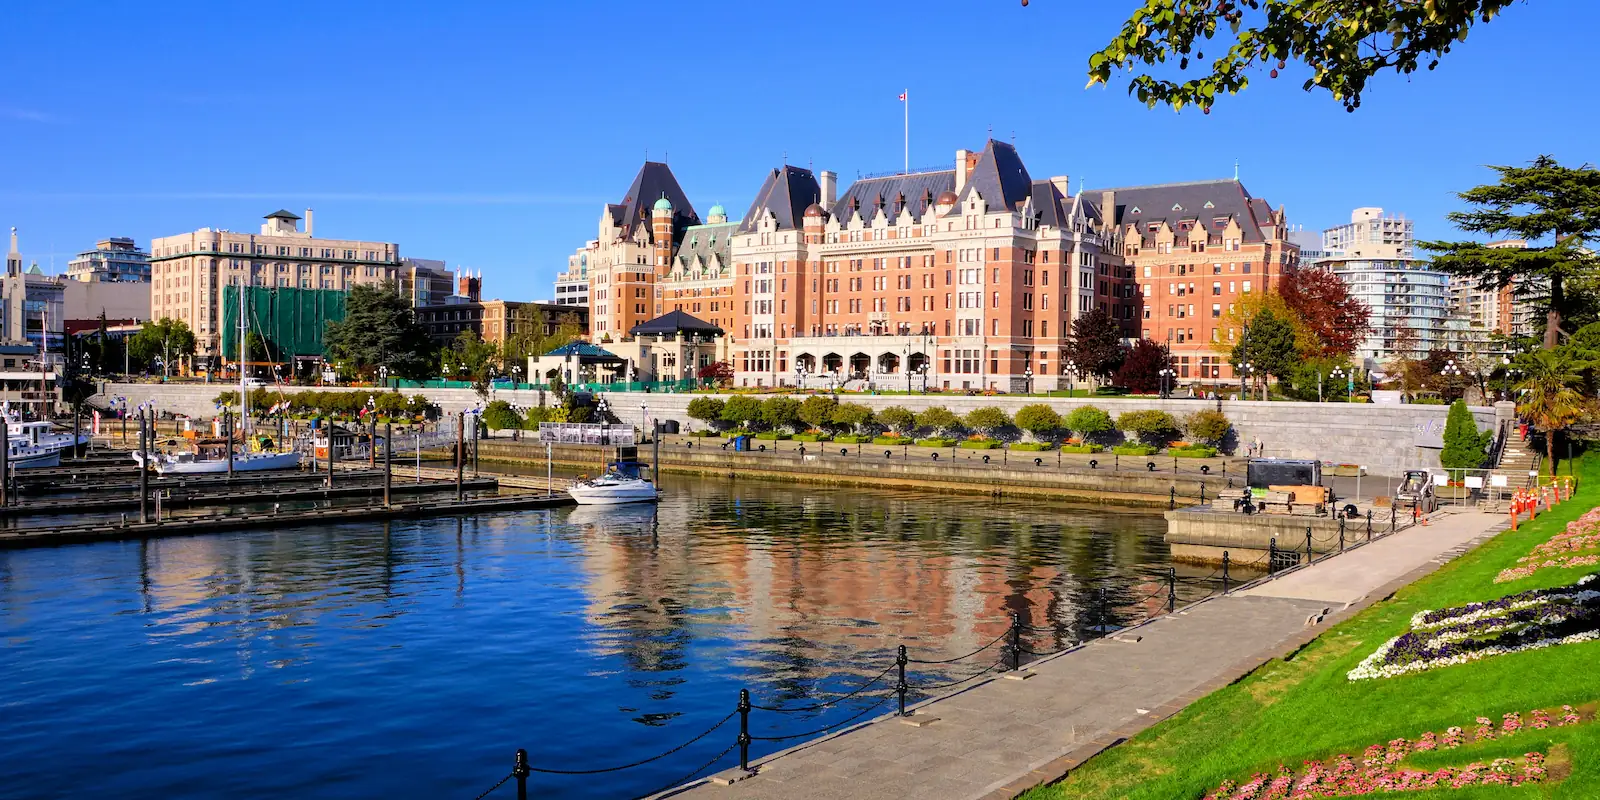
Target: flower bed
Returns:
[[1576, 546], [935, 441], [1379, 770], [1528, 620]]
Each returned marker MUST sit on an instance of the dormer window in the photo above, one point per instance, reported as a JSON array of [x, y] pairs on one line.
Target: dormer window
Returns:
[[1209, 204], [1135, 210], [1176, 207]]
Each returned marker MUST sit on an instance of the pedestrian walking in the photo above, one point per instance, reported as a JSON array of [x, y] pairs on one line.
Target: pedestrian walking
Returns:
[[1259, 448]]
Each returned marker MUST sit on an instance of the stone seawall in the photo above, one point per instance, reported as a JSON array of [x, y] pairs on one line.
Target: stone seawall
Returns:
[[1149, 489], [1383, 438]]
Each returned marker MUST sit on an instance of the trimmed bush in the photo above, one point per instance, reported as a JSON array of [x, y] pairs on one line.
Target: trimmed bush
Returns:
[[773, 436], [780, 412], [702, 434], [979, 444], [891, 440], [707, 410], [1110, 391], [1135, 450], [741, 410], [1193, 451], [1088, 420], [1148, 425], [812, 437], [1081, 448], [817, 411], [1209, 425], [936, 441], [1032, 447], [851, 438]]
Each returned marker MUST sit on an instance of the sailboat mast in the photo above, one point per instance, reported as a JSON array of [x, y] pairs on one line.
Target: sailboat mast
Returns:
[[244, 396]]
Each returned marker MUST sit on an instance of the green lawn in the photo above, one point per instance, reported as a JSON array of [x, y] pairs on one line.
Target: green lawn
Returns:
[[1303, 708]]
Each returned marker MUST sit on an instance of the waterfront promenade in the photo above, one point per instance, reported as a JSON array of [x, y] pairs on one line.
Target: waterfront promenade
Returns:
[[1003, 736]]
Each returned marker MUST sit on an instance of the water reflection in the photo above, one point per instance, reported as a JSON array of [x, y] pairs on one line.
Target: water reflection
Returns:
[[586, 635]]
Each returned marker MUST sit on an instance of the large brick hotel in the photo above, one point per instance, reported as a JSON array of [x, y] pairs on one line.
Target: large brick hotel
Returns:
[[966, 278]]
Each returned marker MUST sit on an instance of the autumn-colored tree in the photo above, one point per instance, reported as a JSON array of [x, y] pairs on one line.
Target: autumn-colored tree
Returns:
[[1141, 370], [1332, 322], [1096, 344], [1231, 327]]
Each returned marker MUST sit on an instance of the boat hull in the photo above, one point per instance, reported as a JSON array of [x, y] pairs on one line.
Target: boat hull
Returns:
[[254, 462], [615, 494], [50, 458]]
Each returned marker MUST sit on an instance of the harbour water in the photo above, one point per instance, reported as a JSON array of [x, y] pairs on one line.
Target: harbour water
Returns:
[[412, 659]]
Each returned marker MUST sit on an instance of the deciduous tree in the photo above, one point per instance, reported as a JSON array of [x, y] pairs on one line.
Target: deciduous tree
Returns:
[[707, 410], [1141, 370], [817, 411], [1556, 210], [1341, 44], [939, 419], [1096, 344], [780, 412], [1335, 321], [988, 420], [170, 339], [1039, 420], [1087, 421], [898, 420]]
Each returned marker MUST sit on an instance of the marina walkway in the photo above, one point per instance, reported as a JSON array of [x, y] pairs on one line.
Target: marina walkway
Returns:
[[1002, 736]]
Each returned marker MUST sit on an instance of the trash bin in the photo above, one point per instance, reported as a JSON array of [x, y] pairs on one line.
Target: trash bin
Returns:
[[741, 443]]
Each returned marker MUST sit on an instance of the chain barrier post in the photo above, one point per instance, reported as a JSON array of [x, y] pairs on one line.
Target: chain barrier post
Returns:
[[1272, 555], [1225, 560], [521, 771], [1172, 589], [744, 729], [1104, 625], [1341, 534], [1172, 498], [1202, 493], [1391, 515], [900, 686], [1016, 642], [1309, 555], [1369, 524]]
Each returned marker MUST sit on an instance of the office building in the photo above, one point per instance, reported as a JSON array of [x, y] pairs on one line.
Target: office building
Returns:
[[187, 270]]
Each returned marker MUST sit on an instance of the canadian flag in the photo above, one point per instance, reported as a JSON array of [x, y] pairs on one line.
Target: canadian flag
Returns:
[[902, 97]]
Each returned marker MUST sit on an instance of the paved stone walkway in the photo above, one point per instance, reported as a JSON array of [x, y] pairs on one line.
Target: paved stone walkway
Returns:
[[1001, 736]]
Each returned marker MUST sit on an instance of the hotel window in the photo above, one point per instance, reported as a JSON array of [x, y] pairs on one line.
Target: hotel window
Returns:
[[1216, 310]]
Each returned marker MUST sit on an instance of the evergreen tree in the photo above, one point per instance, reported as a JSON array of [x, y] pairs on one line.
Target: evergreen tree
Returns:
[[379, 329], [170, 339], [1463, 444], [1268, 345], [1544, 201]]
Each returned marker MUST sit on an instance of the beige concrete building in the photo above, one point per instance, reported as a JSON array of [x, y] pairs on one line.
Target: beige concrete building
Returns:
[[188, 270]]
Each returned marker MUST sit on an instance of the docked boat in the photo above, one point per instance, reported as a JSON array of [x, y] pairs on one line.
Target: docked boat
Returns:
[[210, 457], [44, 436], [21, 455], [623, 482]]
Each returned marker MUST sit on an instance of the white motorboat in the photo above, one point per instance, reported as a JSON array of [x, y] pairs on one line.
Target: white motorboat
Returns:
[[43, 436], [204, 463], [621, 483]]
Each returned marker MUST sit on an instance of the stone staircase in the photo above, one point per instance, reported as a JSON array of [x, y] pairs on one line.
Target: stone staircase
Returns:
[[1517, 459]]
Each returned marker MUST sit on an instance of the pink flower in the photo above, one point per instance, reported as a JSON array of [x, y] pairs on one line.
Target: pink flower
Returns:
[[1541, 720], [1511, 723], [1568, 717]]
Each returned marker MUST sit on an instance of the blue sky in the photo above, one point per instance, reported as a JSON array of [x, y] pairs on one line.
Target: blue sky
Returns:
[[490, 134]]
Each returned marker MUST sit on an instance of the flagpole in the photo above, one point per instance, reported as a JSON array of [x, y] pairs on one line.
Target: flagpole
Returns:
[[907, 103]]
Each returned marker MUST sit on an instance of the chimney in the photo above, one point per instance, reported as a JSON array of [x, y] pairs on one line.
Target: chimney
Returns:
[[1108, 210], [1062, 185], [308, 223], [961, 170], [829, 181]]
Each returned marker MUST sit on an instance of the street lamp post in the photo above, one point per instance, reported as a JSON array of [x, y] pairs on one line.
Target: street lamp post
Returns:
[[1071, 368], [1167, 376], [1027, 375]]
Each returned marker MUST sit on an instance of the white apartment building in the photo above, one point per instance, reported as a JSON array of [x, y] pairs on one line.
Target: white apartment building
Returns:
[[1373, 255]]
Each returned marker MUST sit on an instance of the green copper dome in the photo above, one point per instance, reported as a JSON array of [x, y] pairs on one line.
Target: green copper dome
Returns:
[[717, 211], [663, 204]]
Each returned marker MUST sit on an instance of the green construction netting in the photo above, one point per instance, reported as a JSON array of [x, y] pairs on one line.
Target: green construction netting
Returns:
[[290, 319]]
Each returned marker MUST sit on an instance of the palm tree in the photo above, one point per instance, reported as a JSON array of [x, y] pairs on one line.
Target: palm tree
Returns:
[[1549, 397]]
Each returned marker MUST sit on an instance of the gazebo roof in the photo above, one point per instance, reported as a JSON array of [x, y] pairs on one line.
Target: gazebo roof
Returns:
[[675, 322], [586, 353]]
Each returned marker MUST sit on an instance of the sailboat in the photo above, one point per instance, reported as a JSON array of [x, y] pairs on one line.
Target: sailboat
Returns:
[[212, 456]]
